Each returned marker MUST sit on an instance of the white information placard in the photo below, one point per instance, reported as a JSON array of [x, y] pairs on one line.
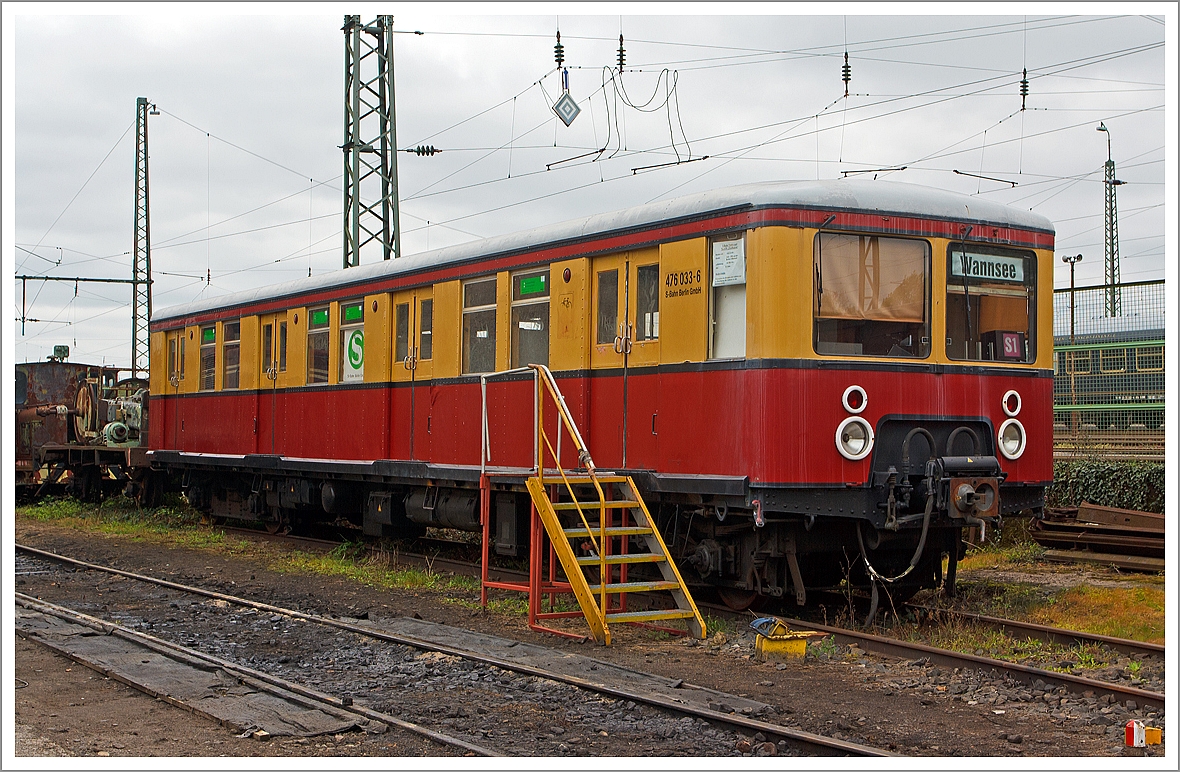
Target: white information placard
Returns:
[[729, 262], [973, 265], [354, 356]]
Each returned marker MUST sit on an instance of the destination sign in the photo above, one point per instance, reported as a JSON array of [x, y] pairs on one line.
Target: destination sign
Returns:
[[994, 267]]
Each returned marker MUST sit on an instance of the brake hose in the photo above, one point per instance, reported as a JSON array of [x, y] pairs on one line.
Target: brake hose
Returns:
[[873, 574]]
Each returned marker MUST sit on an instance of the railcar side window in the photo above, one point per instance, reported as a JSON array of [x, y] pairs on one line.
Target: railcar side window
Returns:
[[176, 357], [530, 318], [1113, 360], [208, 357], [872, 296], [22, 387], [352, 341], [1077, 362], [317, 346], [282, 347], [426, 330], [647, 302], [608, 306], [231, 332], [479, 326], [401, 334], [1149, 359], [727, 269], [990, 304]]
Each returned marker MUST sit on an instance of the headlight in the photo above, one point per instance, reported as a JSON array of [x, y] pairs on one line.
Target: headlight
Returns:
[[1011, 439], [1011, 403], [854, 438]]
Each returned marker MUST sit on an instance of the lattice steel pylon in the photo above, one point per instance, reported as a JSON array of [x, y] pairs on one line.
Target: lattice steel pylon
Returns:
[[1114, 299], [141, 251], [370, 141]]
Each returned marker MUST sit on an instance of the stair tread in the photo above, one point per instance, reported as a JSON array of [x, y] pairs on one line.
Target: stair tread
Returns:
[[636, 586], [581, 479], [616, 504], [614, 560], [631, 530], [648, 616]]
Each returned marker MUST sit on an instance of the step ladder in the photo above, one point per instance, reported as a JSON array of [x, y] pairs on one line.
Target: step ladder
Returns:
[[594, 523]]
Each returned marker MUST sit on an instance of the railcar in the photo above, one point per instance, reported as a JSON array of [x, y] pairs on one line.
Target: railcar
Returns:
[[79, 429], [811, 383]]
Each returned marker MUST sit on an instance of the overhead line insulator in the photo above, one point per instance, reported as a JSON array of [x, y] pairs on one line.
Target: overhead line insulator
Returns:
[[1024, 88], [846, 73], [559, 51], [622, 53], [424, 150]]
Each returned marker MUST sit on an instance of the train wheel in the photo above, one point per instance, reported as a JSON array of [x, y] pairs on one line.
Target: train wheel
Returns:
[[277, 526], [737, 600]]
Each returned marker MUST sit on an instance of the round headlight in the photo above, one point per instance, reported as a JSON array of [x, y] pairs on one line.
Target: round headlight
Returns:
[[854, 438], [1011, 403], [1011, 439]]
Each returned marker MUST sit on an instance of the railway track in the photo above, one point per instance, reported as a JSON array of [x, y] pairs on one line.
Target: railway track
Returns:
[[803, 741], [246, 674], [895, 647]]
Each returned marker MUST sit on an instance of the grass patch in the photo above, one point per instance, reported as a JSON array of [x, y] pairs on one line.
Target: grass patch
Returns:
[[987, 642], [1013, 546], [1124, 612], [371, 568]]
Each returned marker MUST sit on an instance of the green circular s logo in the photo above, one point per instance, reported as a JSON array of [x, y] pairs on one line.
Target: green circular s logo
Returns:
[[356, 349]]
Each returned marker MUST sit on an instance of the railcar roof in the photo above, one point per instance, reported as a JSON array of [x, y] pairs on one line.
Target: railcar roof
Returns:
[[849, 195]]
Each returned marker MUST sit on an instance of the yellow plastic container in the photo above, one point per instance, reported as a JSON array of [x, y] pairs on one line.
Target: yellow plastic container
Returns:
[[781, 643]]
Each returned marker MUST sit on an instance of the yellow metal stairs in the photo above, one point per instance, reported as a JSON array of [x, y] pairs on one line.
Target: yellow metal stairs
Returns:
[[592, 521]]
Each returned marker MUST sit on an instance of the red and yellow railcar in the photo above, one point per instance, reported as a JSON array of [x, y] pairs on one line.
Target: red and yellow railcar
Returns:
[[806, 379]]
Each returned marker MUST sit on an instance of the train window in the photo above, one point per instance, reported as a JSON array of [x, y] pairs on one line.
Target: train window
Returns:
[[608, 306], [530, 319], [1149, 359], [401, 335], [176, 357], [479, 326], [426, 330], [208, 357], [647, 302], [282, 347], [991, 304], [872, 295], [1077, 362], [1113, 360], [317, 346], [22, 387], [352, 341], [231, 333], [727, 339]]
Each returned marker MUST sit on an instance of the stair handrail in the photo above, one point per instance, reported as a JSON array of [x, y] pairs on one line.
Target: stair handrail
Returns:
[[545, 376]]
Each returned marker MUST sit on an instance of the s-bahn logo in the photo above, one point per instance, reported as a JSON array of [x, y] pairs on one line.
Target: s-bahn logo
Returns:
[[354, 366], [992, 267]]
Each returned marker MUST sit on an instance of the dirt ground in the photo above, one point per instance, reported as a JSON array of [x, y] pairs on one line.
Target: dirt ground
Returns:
[[69, 710]]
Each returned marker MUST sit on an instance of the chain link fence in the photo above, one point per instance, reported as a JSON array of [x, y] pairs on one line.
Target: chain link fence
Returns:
[[1108, 384]]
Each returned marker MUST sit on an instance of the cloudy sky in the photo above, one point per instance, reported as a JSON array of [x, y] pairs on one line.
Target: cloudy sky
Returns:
[[246, 168]]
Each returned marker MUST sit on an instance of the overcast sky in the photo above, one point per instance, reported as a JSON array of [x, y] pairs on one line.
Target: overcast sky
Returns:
[[246, 166]]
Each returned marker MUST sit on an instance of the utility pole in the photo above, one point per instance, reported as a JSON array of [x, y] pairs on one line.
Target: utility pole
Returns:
[[1072, 260], [141, 250], [370, 140], [1114, 293]]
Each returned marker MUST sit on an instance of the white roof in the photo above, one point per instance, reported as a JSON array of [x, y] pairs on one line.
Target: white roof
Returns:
[[844, 194]]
